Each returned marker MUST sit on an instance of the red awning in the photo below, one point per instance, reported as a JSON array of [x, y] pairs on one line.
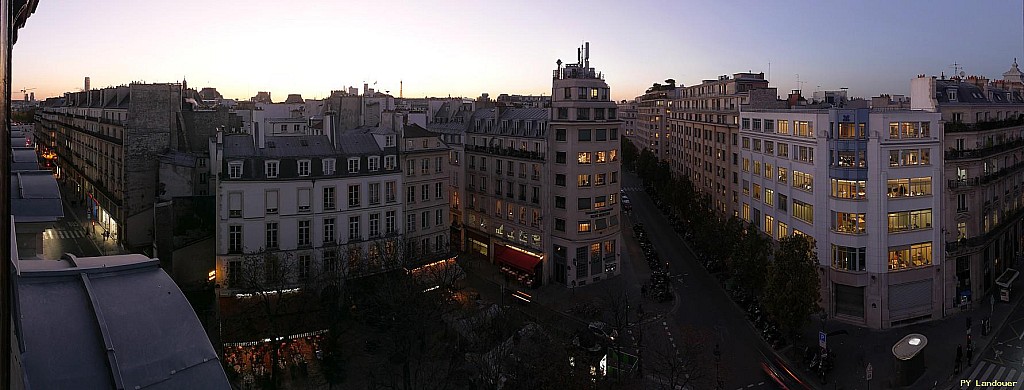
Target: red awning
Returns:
[[516, 259]]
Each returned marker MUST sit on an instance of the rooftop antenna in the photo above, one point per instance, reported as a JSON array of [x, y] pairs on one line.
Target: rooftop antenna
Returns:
[[400, 90], [586, 55], [957, 69]]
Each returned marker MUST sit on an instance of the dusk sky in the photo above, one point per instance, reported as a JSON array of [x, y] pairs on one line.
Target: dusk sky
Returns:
[[464, 48]]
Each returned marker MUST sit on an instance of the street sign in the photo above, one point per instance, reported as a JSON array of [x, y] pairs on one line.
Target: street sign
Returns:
[[870, 371], [821, 339]]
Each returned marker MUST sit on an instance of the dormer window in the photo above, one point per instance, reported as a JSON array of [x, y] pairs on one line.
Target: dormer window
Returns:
[[353, 165], [271, 169], [389, 141], [304, 167], [329, 164], [373, 162], [235, 170], [390, 162], [951, 95]]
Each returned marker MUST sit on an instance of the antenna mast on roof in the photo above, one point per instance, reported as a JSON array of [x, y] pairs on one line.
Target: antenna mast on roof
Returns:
[[957, 68]]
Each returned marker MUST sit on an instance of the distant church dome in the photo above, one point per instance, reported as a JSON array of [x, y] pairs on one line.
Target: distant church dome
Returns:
[[1014, 74]]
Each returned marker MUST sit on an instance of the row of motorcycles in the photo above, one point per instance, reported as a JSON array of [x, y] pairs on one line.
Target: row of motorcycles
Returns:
[[819, 359], [659, 288], [768, 329]]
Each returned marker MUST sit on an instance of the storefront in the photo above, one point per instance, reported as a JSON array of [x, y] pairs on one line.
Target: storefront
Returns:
[[477, 243], [104, 223], [519, 265]]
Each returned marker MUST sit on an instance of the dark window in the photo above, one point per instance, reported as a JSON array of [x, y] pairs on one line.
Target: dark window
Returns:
[[559, 202], [559, 134], [582, 114], [584, 135], [560, 157]]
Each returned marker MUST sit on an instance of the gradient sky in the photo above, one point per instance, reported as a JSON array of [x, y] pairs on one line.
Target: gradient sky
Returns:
[[463, 48]]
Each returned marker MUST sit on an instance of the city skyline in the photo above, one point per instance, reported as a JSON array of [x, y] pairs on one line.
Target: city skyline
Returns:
[[465, 49]]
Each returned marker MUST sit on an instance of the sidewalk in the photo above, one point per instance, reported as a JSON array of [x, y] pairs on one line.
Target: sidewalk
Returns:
[[853, 351], [79, 213]]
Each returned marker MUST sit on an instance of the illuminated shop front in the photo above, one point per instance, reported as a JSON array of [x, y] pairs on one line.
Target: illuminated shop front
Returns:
[[519, 265], [105, 223]]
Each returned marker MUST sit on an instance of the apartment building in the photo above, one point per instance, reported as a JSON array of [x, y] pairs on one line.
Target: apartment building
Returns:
[[105, 141], [505, 154], [543, 216], [627, 114], [864, 185], [984, 172], [450, 118], [702, 123], [651, 119], [327, 207], [425, 158]]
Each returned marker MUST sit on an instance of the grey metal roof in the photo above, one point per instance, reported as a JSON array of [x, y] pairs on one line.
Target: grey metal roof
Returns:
[[417, 131], [352, 143], [24, 159], [526, 113], [109, 322], [35, 197], [238, 145], [296, 146]]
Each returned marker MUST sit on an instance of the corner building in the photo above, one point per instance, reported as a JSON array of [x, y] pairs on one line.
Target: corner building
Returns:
[[542, 185], [584, 180], [864, 184]]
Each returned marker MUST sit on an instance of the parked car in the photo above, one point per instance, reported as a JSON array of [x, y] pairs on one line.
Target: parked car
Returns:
[[604, 330]]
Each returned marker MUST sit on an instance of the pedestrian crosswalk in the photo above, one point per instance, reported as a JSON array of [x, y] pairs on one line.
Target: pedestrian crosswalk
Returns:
[[51, 234], [990, 374], [633, 189]]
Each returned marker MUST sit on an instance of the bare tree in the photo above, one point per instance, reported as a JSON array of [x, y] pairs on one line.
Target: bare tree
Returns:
[[274, 296], [684, 367], [617, 304]]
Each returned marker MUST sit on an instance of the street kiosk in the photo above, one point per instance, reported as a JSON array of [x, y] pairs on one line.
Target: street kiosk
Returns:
[[909, 358], [1005, 283]]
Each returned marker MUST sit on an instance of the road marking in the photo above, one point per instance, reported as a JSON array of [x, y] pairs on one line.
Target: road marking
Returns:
[[989, 370], [999, 374], [750, 385], [760, 383], [976, 370]]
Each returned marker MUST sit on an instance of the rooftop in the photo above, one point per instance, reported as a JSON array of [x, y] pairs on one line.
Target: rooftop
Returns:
[[35, 197], [109, 322]]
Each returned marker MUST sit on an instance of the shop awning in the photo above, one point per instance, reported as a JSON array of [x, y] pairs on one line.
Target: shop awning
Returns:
[[517, 259]]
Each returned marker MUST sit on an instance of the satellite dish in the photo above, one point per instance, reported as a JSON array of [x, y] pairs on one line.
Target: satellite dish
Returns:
[[962, 73]]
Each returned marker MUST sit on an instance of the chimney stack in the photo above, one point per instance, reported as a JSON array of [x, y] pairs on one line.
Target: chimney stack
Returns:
[[86, 83]]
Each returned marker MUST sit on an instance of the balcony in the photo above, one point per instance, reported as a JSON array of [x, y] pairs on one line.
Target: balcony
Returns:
[[958, 127], [983, 152], [964, 245], [508, 152], [986, 178]]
